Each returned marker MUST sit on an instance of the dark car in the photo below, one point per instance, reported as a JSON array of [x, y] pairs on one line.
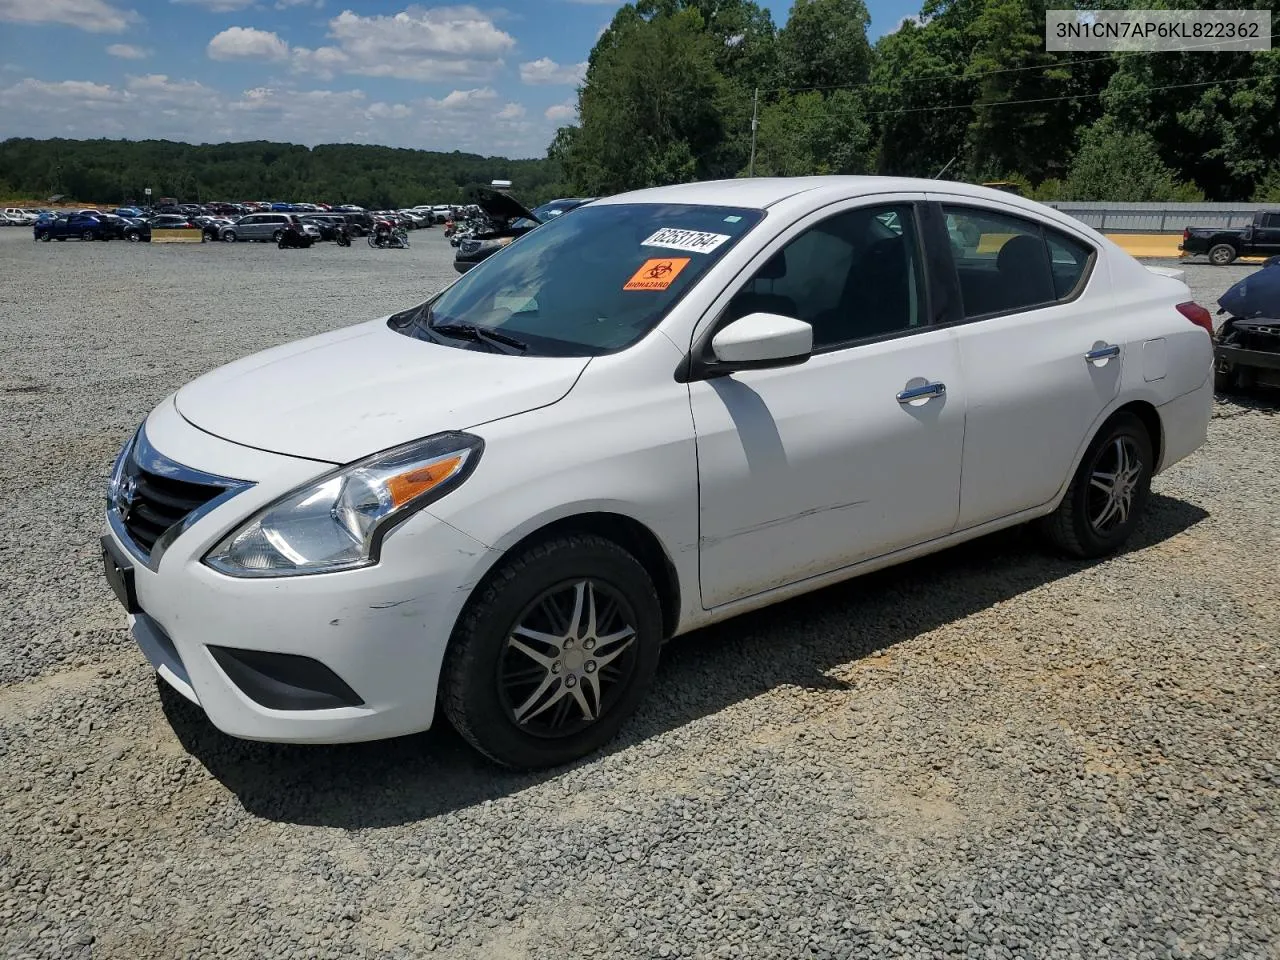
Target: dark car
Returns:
[[1246, 348], [113, 226], [359, 222], [328, 223], [1260, 239], [507, 219], [141, 232], [79, 226]]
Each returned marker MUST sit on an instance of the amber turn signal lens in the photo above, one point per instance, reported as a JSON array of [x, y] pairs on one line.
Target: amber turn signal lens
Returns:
[[419, 480]]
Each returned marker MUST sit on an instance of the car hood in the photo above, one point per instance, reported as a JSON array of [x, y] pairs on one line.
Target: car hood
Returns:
[[1257, 295], [500, 206], [349, 393]]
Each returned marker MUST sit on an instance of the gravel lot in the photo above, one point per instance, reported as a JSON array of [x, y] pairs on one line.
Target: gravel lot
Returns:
[[990, 753]]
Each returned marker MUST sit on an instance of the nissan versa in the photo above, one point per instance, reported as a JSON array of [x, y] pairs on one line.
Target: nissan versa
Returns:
[[674, 406]]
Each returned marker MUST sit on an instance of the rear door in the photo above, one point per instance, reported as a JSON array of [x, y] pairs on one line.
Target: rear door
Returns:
[[1267, 234], [1040, 349]]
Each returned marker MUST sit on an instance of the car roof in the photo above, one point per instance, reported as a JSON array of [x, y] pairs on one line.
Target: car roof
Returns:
[[762, 192]]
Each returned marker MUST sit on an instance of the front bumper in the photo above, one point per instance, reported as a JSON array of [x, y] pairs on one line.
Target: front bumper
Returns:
[[381, 630]]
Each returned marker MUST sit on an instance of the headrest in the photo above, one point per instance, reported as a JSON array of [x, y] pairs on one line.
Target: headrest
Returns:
[[1022, 251]]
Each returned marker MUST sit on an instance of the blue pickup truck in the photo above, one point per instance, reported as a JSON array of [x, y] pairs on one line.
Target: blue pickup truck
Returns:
[[80, 226]]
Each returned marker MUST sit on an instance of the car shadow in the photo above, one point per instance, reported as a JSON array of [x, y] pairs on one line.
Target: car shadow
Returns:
[[795, 643]]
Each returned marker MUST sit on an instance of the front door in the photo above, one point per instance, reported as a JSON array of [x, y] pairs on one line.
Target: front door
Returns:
[[853, 454]]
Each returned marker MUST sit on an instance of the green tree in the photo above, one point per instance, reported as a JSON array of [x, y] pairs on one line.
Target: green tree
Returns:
[[654, 108], [824, 44], [808, 133], [1122, 166]]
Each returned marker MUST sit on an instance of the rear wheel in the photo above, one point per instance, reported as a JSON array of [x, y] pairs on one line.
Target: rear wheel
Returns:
[[1222, 254], [277, 235], [42, 235], [134, 236], [554, 654], [229, 236], [1108, 493], [87, 235]]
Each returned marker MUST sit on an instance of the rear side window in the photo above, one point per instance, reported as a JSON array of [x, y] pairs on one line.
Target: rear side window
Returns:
[[1006, 264]]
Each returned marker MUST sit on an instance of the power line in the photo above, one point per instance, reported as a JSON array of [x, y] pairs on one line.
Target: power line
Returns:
[[991, 73], [1076, 96]]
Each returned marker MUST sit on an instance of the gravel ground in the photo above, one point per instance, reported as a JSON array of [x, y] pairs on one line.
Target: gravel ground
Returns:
[[989, 753]]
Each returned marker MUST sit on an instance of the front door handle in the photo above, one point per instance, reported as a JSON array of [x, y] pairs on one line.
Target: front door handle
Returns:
[[1108, 352], [923, 392]]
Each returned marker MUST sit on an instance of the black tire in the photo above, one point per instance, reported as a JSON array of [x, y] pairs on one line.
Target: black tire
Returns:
[[1221, 254], [472, 688], [1072, 528], [1224, 381], [87, 235], [43, 236], [133, 237], [229, 236], [277, 235]]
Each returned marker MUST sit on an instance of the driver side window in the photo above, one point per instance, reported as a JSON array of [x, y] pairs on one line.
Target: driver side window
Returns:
[[855, 276]]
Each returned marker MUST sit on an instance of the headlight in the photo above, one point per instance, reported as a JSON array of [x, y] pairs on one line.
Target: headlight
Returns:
[[338, 522]]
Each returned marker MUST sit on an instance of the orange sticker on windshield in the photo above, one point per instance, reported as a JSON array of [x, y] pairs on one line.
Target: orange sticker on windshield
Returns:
[[657, 274]]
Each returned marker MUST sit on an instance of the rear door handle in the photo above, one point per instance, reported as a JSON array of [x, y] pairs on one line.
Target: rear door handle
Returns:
[[1108, 352], [924, 391]]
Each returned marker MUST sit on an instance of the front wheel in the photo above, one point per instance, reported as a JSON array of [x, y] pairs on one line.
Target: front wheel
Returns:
[[554, 654], [42, 235], [1222, 254], [229, 237], [134, 237], [87, 236], [1108, 493]]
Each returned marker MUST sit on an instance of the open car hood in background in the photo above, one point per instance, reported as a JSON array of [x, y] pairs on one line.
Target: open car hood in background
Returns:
[[501, 206], [1257, 295]]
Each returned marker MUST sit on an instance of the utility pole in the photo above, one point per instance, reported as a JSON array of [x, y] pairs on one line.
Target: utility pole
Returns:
[[755, 122]]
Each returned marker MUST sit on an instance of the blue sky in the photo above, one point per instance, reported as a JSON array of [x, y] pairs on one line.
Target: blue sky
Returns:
[[431, 75]]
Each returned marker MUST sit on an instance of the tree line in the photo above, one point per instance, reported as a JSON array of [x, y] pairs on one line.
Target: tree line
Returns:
[[118, 171], [966, 88]]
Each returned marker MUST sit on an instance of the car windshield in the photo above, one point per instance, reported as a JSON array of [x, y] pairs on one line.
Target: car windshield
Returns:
[[589, 284]]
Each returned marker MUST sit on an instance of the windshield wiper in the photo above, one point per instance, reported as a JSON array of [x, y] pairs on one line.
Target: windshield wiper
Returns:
[[469, 331]]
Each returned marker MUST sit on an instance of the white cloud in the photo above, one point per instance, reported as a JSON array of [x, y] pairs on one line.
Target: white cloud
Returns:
[[457, 43], [286, 4], [562, 111], [160, 106], [217, 6], [545, 71], [236, 43], [463, 99], [95, 16], [127, 51]]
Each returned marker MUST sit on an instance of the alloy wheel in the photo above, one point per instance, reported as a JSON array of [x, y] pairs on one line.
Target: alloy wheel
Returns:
[[1113, 483], [568, 658]]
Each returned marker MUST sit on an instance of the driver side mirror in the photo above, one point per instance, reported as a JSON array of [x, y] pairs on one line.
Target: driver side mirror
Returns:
[[759, 341]]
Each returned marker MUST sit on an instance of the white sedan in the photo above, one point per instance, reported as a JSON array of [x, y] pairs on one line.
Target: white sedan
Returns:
[[673, 407]]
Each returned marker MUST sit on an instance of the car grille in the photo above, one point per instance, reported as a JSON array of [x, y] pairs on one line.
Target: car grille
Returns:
[[159, 503], [151, 495]]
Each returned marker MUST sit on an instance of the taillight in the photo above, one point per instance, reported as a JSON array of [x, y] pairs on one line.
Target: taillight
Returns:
[[1186, 234], [1198, 315]]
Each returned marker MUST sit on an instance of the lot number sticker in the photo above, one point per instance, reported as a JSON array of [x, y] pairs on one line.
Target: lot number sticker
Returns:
[[693, 241], [657, 274]]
